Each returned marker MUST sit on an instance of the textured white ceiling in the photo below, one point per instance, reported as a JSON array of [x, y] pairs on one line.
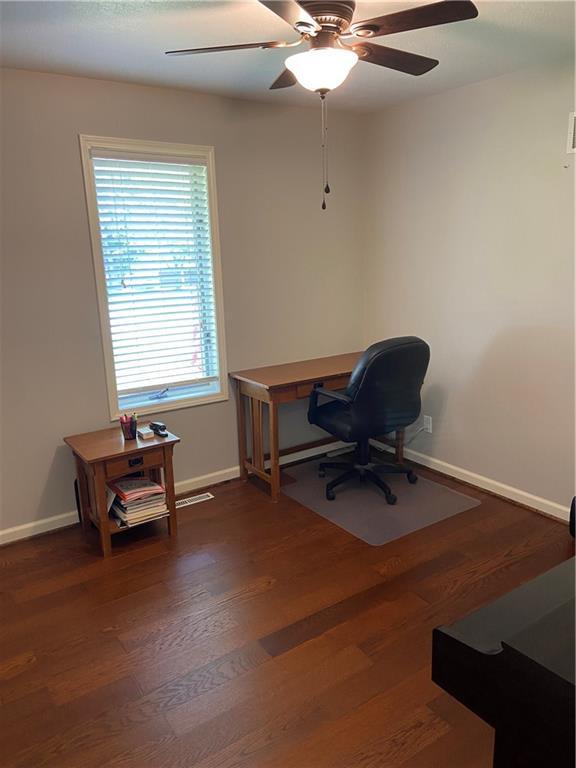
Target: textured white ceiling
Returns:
[[125, 41]]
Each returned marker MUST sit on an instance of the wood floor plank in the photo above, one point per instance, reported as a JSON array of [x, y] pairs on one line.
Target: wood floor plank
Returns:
[[261, 722], [335, 743], [490, 561], [20, 737], [112, 723], [469, 741], [323, 620], [263, 637]]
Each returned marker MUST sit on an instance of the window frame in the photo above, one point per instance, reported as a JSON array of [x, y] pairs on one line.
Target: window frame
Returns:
[[130, 148]]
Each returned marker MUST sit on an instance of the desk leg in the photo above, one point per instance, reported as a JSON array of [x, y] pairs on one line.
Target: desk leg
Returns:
[[241, 424], [257, 433], [83, 495], [170, 496], [274, 451], [101, 511]]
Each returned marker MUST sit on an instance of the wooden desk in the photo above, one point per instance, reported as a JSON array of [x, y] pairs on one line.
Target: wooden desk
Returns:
[[273, 385], [103, 455]]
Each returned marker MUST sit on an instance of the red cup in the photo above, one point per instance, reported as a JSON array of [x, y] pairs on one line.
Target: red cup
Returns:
[[129, 429]]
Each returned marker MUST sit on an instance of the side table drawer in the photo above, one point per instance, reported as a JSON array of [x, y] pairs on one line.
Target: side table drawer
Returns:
[[134, 463]]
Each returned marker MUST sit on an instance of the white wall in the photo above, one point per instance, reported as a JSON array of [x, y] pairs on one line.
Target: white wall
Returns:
[[465, 208], [291, 285], [470, 245]]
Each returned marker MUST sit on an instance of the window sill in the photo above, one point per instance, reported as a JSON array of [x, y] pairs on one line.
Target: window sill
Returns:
[[163, 406]]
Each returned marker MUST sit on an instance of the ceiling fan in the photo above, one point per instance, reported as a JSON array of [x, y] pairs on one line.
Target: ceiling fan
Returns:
[[337, 43]]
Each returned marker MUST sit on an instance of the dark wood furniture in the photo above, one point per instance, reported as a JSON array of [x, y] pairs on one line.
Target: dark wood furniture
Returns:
[[512, 664], [105, 455]]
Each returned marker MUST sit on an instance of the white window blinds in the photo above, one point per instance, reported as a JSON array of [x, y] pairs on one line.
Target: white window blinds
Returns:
[[155, 233]]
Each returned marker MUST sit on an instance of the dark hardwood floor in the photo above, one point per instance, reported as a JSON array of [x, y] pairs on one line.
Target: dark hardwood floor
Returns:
[[264, 637]]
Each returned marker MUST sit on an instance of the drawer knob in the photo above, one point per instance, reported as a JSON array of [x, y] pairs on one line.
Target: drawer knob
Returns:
[[136, 462]]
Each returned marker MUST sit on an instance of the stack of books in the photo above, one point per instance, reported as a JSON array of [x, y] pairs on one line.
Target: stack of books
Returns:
[[137, 500]]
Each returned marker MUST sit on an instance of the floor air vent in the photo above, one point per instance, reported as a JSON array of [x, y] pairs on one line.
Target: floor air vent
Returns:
[[189, 500]]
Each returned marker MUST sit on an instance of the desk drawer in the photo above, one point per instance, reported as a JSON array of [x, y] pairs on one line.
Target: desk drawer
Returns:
[[134, 463], [341, 382]]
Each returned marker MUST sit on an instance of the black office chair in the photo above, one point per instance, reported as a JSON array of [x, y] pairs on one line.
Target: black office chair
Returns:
[[383, 395]]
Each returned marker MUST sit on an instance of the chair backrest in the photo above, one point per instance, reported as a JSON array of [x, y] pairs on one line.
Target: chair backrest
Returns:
[[385, 384]]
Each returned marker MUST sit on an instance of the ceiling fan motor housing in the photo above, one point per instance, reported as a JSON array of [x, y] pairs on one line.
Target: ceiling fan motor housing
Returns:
[[324, 39], [333, 16]]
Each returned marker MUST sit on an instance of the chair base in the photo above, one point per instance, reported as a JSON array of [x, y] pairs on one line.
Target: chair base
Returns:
[[365, 470]]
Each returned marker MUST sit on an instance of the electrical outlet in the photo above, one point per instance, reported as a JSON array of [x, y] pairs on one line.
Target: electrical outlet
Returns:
[[427, 423]]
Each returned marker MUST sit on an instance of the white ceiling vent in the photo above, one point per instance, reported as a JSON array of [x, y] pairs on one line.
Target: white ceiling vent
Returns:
[[571, 144]]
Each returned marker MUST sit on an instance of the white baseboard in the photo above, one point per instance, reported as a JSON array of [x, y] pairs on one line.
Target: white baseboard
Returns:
[[28, 530], [203, 481], [230, 473], [546, 506]]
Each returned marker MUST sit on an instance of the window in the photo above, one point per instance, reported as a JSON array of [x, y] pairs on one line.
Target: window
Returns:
[[152, 212]]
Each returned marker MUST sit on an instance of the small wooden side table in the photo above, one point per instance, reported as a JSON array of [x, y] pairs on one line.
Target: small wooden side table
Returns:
[[104, 455]]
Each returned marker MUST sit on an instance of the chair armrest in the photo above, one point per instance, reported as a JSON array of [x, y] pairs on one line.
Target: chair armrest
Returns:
[[313, 402], [331, 394]]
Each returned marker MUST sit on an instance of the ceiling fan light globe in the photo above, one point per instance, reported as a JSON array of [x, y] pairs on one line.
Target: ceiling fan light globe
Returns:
[[322, 69]]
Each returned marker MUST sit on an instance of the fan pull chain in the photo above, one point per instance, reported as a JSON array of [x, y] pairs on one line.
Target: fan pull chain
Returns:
[[324, 150]]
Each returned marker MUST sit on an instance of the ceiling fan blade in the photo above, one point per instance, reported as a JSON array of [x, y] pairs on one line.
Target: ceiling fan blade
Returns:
[[444, 12], [294, 14], [284, 80], [239, 47], [402, 61]]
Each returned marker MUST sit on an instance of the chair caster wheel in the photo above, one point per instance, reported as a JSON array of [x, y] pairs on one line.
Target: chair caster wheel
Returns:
[[330, 495], [321, 473], [391, 499], [412, 478]]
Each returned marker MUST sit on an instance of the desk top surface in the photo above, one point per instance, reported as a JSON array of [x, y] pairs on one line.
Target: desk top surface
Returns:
[[110, 443], [320, 368]]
